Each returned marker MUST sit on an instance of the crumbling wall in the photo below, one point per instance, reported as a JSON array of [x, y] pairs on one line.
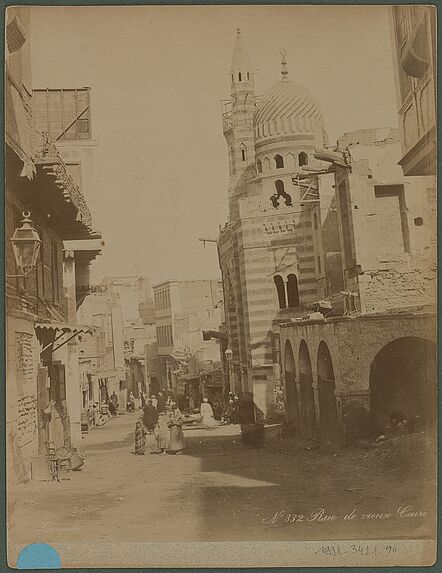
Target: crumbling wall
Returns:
[[392, 287]]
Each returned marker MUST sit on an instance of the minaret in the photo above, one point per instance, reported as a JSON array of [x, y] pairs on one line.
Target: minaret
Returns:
[[238, 124]]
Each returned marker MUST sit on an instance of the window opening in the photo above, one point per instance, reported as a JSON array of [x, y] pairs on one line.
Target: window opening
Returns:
[[279, 161], [280, 192], [280, 288], [302, 159], [292, 291]]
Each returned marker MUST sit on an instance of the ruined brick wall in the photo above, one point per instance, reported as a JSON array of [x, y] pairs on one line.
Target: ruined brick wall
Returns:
[[393, 220], [387, 289]]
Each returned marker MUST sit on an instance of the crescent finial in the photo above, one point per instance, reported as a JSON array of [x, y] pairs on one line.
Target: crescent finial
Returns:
[[284, 70]]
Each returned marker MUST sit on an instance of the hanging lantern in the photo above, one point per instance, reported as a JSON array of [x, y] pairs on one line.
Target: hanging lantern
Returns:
[[26, 245]]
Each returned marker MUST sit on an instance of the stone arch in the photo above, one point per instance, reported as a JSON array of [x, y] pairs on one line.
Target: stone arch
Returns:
[[266, 164], [290, 160], [403, 386], [307, 399], [328, 415], [290, 391]]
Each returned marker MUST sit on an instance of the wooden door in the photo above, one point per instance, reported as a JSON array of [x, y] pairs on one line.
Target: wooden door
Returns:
[[42, 401]]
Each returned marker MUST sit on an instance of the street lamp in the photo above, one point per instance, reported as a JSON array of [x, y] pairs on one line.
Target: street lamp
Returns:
[[26, 246], [228, 353]]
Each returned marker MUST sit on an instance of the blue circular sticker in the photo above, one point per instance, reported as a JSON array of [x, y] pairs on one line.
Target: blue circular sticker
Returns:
[[38, 556]]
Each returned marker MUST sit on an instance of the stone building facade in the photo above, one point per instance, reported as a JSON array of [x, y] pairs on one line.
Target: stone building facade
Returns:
[[367, 357], [414, 36], [183, 311], [42, 372]]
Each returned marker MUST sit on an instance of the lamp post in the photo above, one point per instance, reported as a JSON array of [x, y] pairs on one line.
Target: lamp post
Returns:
[[26, 246], [228, 353]]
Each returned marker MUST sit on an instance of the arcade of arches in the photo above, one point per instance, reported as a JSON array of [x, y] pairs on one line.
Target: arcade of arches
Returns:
[[340, 386]]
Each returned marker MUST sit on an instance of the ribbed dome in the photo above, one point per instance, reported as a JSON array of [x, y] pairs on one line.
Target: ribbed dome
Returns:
[[287, 108]]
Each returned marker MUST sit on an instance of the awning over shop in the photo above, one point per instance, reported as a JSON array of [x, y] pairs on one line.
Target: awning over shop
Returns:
[[57, 330], [62, 327], [189, 377]]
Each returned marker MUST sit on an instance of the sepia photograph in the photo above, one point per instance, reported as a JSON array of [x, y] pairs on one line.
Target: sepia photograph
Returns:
[[220, 235]]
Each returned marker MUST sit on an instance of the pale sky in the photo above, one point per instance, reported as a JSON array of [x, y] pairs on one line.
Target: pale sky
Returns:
[[157, 76]]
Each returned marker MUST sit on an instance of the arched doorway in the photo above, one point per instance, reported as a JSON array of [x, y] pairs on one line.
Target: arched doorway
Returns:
[[326, 397], [403, 386], [308, 414], [291, 395]]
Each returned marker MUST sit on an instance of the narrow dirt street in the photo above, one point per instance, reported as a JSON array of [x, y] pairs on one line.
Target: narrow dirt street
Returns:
[[218, 490]]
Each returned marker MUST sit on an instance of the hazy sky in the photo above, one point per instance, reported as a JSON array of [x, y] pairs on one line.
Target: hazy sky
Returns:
[[157, 76]]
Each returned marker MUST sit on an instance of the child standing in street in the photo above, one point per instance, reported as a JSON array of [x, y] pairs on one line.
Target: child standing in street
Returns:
[[140, 439]]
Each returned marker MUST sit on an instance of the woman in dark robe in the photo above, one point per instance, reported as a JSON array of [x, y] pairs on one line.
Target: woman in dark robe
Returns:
[[111, 407], [150, 416], [251, 420]]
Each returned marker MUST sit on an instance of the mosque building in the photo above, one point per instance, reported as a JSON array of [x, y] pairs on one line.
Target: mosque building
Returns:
[[328, 267], [270, 263]]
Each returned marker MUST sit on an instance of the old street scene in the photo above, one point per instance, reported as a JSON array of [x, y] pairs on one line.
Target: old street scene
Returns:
[[220, 242]]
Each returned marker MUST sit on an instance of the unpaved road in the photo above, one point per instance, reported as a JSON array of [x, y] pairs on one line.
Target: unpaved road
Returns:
[[221, 491]]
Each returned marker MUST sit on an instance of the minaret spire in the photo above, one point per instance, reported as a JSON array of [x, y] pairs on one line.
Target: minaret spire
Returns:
[[241, 69], [284, 70]]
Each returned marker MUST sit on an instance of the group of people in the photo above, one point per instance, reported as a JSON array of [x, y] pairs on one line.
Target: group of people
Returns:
[[162, 418], [230, 413]]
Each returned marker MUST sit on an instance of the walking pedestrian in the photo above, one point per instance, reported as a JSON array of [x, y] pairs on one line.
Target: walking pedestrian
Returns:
[[114, 400], [112, 409], [234, 417], [154, 401], [161, 402], [131, 403], [140, 439], [206, 411], [150, 416], [176, 438], [162, 434]]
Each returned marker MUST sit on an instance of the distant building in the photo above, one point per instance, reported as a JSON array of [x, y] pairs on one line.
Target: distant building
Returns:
[[102, 357], [414, 48], [134, 296], [183, 310], [134, 293]]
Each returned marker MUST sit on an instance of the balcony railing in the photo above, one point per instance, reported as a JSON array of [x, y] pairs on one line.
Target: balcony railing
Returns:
[[46, 154]]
